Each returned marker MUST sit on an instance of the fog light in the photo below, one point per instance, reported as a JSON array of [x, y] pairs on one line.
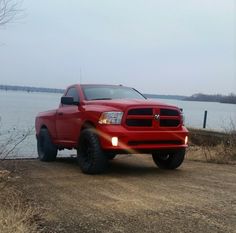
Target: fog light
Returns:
[[114, 141], [186, 140]]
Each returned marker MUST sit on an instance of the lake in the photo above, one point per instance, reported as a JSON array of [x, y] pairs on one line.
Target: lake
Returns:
[[18, 111]]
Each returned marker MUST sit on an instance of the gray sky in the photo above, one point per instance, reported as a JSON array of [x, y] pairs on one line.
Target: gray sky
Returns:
[[156, 46]]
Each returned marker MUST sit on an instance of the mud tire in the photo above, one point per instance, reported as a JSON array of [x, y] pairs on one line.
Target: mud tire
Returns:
[[169, 159], [47, 151], [91, 158]]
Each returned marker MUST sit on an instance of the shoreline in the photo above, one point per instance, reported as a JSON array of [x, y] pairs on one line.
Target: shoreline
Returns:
[[29, 89]]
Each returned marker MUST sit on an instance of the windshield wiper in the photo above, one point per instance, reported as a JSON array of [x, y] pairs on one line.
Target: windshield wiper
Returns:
[[102, 99]]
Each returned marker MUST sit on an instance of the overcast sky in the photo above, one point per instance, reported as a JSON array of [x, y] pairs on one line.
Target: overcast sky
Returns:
[[156, 46]]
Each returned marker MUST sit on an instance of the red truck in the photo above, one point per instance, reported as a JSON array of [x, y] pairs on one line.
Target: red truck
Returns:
[[101, 121]]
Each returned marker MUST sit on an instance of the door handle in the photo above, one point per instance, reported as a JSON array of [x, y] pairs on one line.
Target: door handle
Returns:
[[60, 113]]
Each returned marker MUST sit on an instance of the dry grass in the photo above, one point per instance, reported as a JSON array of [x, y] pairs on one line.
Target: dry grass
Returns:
[[16, 215], [217, 154], [213, 146]]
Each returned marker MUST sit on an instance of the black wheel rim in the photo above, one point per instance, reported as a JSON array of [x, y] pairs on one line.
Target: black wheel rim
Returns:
[[164, 157], [87, 151]]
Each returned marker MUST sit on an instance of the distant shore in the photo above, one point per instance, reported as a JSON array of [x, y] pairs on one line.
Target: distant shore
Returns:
[[30, 89], [225, 99], [229, 99]]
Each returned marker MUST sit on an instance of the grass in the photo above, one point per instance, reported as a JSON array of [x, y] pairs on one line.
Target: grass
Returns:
[[16, 214], [210, 146]]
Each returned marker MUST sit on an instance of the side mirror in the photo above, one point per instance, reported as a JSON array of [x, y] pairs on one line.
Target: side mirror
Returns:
[[67, 100]]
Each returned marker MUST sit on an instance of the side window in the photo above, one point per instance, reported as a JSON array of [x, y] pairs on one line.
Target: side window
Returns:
[[72, 92]]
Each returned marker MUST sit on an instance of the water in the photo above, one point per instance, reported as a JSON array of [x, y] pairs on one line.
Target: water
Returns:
[[18, 111], [220, 116]]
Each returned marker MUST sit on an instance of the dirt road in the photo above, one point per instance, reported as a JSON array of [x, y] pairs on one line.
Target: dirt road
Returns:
[[133, 196]]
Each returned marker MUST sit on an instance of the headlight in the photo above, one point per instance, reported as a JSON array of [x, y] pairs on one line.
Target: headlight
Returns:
[[110, 118]]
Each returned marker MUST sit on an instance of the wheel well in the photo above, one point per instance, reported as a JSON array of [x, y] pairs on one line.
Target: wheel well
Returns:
[[87, 125], [43, 127]]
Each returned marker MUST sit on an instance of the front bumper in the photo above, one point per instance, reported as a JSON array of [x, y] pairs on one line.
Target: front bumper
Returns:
[[141, 140]]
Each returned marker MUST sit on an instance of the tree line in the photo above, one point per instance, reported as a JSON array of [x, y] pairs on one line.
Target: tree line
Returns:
[[230, 99], [30, 89]]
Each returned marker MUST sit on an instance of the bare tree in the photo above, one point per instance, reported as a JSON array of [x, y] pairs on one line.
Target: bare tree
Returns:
[[9, 9], [11, 142]]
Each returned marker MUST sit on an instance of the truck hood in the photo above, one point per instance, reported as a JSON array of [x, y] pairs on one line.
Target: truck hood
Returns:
[[123, 104]]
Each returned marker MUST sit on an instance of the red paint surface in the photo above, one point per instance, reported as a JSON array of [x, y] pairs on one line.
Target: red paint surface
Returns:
[[66, 122]]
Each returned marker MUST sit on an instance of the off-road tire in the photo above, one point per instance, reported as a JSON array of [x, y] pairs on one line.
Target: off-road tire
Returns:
[[47, 151], [110, 155], [169, 159], [91, 158]]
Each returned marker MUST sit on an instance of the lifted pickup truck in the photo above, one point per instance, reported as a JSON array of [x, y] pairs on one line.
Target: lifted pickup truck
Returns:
[[101, 121]]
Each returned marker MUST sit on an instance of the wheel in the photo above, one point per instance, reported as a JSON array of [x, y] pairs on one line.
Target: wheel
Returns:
[[90, 156], [169, 159], [110, 155], [47, 151]]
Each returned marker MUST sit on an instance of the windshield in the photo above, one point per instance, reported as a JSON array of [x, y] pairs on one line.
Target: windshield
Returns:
[[110, 92]]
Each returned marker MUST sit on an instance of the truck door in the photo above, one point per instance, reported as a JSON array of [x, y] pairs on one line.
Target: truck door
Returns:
[[68, 119]]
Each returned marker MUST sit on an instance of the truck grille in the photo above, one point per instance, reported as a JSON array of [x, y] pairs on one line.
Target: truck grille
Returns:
[[164, 112], [139, 117], [141, 111], [139, 122], [168, 112], [169, 123], [144, 117]]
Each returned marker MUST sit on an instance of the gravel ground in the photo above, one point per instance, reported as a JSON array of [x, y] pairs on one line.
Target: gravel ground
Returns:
[[132, 196]]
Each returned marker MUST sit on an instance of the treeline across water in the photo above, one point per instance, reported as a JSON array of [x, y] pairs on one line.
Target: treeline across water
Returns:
[[30, 89], [229, 99]]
